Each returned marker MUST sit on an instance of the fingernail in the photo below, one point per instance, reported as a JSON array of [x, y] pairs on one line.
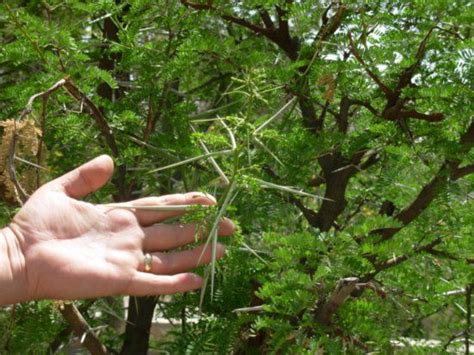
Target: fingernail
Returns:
[[210, 197], [206, 195]]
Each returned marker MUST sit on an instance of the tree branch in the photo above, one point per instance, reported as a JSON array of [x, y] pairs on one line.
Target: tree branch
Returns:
[[342, 291], [56, 343], [399, 259], [394, 109], [337, 171], [461, 172], [448, 170], [434, 117], [267, 20], [405, 77], [231, 18], [96, 113], [365, 104], [389, 94], [81, 329], [330, 26]]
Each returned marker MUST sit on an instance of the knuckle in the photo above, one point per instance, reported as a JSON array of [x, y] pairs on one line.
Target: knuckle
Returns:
[[121, 219]]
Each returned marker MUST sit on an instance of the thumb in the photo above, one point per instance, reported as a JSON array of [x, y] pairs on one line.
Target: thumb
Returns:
[[87, 178]]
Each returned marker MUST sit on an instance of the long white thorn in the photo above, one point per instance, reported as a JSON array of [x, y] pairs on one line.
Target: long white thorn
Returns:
[[288, 189], [275, 116], [190, 160], [212, 160]]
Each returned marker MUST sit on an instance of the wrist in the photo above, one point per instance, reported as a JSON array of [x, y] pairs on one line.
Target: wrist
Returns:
[[13, 281]]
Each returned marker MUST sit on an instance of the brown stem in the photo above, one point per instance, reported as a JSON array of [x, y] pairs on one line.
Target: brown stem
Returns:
[[342, 291], [399, 259], [96, 113], [389, 94], [461, 172], [267, 20], [405, 77], [448, 170], [56, 343], [81, 329], [41, 140]]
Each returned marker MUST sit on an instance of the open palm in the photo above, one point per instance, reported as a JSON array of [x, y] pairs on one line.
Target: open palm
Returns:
[[72, 249]]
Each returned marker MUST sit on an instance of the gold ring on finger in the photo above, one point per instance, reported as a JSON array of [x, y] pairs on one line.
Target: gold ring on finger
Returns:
[[148, 261]]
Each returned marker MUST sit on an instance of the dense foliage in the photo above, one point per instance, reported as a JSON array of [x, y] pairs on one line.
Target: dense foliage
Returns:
[[341, 135]]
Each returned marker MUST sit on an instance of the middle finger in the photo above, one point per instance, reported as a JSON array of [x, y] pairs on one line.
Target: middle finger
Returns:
[[169, 236]]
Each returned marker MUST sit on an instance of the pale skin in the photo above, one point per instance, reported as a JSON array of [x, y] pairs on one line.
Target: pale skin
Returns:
[[58, 247]]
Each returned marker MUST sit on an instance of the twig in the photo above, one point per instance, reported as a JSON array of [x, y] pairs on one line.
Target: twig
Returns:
[[29, 106], [95, 112], [386, 90], [30, 163], [22, 196], [399, 259], [451, 339]]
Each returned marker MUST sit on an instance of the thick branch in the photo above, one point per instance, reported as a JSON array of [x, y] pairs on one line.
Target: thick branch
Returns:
[[448, 170], [140, 316], [282, 21], [247, 24], [427, 194], [337, 172], [309, 214], [425, 197]]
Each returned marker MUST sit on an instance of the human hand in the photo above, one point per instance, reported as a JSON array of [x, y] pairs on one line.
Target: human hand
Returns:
[[63, 248]]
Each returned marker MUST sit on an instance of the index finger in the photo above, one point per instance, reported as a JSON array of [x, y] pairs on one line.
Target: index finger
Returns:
[[149, 217]]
